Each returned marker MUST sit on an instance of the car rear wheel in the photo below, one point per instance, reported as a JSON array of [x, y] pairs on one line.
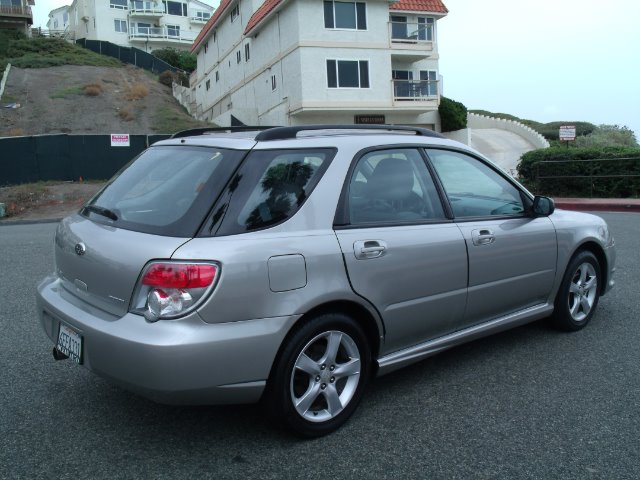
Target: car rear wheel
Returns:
[[579, 293], [320, 376]]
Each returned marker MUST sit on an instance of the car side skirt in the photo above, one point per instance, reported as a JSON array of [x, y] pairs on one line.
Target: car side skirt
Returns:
[[407, 356]]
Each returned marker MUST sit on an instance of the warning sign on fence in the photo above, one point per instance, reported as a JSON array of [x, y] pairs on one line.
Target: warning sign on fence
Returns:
[[119, 139]]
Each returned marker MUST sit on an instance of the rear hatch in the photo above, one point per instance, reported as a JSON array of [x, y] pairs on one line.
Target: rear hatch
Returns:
[[150, 208]]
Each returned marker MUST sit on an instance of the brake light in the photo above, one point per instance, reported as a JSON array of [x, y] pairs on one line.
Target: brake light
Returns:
[[171, 290], [180, 275]]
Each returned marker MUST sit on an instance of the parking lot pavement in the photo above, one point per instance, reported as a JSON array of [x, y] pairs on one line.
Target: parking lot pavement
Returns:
[[528, 403]]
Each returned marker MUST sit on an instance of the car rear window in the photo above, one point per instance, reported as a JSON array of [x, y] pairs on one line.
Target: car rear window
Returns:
[[269, 188], [167, 190]]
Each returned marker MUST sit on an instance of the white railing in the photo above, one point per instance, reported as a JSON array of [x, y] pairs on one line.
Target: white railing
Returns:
[[146, 8], [415, 90], [412, 33], [160, 33], [199, 16], [15, 11]]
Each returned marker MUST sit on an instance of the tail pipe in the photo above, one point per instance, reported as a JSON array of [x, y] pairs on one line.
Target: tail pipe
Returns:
[[58, 355]]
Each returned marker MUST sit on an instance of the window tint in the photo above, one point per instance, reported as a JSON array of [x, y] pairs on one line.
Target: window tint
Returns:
[[166, 190], [392, 186], [473, 188], [270, 187]]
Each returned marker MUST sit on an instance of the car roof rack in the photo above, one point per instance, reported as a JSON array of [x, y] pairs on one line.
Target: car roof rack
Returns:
[[285, 133], [192, 132]]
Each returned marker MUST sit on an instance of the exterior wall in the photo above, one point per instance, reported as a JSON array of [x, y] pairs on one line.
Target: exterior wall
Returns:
[[59, 19], [293, 44], [480, 121]]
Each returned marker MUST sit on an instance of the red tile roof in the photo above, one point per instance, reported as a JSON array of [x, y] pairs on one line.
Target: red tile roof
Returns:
[[434, 6], [261, 13], [210, 24]]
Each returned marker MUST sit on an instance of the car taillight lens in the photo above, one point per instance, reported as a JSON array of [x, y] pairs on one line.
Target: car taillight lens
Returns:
[[172, 289]]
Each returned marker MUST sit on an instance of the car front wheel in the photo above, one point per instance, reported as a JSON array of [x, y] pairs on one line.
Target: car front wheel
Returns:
[[320, 375], [579, 293]]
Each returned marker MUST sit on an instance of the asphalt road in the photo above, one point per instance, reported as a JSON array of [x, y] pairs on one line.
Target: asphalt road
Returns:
[[528, 403]]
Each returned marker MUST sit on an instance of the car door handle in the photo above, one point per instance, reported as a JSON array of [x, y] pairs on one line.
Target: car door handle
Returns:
[[366, 249], [482, 237]]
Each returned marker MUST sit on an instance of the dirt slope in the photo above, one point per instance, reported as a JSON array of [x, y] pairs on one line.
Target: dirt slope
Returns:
[[118, 100]]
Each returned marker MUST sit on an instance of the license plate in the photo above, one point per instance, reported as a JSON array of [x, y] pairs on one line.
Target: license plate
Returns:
[[70, 343]]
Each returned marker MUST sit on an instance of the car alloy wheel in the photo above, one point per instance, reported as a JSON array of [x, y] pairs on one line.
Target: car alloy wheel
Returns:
[[579, 292], [325, 376], [320, 374]]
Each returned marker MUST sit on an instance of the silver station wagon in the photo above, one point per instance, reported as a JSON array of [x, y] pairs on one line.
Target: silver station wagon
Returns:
[[293, 264]]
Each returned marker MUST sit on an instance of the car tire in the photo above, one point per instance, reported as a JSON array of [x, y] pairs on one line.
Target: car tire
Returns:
[[320, 375], [579, 292]]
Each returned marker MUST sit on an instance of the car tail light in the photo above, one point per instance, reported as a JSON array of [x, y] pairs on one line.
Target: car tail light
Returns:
[[169, 290]]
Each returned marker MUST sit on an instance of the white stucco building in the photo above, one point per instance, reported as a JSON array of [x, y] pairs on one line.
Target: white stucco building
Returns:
[[148, 25], [59, 20], [289, 62]]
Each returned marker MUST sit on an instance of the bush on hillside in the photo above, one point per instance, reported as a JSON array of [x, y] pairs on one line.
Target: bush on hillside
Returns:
[[180, 59], [582, 172], [44, 52], [608, 136], [453, 115]]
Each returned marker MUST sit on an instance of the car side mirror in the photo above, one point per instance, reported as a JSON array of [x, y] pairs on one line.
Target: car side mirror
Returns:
[[543, 206]]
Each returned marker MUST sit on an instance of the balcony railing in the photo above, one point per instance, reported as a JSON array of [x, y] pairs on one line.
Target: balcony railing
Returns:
[[154, 9], [196, 16], [411, 36], [15, 11], [160, 33], [415, 90]]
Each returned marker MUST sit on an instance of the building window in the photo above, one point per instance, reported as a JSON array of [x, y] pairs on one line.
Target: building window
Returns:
[[206, 47], [425, 28], [246, 52], [173, 30], [351, 15], [429, 83], [238, 57], [120, 4], [55, 24], [176, 8], [235, 12], [207, 84], [214, 35], [273, 82], [217, 76], [121, 26], [203, 15], [348, 73]]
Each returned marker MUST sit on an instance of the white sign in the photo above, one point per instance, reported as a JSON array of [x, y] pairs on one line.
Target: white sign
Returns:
[[119, 139], [567, 133]]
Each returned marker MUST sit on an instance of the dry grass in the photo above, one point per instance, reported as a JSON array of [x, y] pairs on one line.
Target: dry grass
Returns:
[[15, 132], [137, 91], [126, 115], [92, 89]]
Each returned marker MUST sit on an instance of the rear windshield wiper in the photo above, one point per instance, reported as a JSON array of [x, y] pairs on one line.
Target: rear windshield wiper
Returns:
[[105, 212]]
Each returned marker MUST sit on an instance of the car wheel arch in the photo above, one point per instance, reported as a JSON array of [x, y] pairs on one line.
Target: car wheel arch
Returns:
[[372, 327], [597, 250]]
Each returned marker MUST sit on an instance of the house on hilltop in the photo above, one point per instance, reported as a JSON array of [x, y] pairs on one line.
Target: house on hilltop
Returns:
[[16, 15], [290, 62], [148, 25]]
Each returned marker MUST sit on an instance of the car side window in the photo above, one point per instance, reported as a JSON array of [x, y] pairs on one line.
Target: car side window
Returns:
[[392, 186], [473, 188], [271, 186]]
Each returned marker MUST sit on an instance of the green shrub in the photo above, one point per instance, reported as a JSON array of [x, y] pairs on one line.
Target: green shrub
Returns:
[[605, 172], [180, 59], [453, 115]]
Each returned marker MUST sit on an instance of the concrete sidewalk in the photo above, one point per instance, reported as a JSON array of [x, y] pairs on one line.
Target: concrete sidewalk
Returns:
[[599, 204]]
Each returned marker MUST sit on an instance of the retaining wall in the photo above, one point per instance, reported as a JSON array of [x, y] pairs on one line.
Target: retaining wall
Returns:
[[480, 121]]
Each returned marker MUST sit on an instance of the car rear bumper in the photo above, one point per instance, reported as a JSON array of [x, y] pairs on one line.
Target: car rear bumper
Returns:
[[185, 361]]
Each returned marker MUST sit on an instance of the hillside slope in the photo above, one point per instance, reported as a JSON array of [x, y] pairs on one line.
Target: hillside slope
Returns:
[[89, 100]]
